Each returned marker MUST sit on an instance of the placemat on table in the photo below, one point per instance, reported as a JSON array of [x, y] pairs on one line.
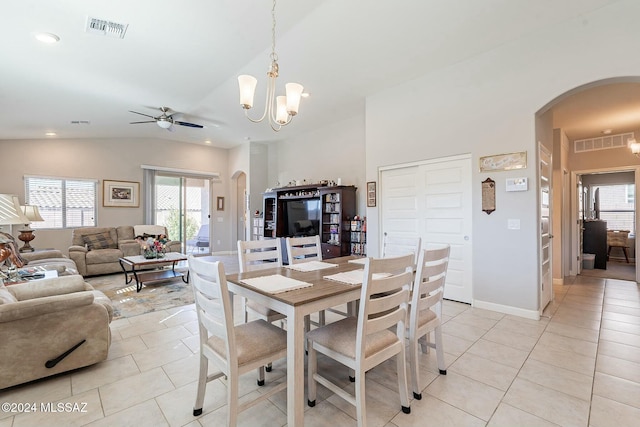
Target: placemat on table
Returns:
[[353, 277], [311, 266], [276, 283]]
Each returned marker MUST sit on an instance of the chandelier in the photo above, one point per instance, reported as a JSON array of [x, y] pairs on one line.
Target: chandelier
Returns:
[[634, 146], [282, 111]]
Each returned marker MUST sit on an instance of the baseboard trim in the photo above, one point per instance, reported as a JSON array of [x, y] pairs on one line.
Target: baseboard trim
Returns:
[[558, 281], [507, 309]]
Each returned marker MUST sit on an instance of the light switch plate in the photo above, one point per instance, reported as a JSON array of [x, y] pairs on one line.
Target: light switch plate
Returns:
[[513, 224], [517, 184]]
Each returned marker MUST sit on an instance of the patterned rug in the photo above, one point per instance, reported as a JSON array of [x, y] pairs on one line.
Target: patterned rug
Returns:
[[154, 296]]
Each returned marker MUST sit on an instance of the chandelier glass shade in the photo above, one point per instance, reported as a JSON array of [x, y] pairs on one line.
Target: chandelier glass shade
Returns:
[[278, 110], [634, 146]]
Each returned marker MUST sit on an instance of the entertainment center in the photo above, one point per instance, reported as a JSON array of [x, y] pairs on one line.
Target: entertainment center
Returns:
[[309, 210]]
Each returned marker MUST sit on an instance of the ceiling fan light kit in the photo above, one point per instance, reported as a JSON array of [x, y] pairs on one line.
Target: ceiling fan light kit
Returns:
[[166, 120], [279, 111]]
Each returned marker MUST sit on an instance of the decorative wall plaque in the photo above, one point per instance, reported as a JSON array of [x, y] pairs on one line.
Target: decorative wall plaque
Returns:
[[488, 196], [503, 162]]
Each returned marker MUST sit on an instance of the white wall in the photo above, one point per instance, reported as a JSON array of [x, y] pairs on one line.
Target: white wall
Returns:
[[108, 159], [335, 151], [486, 105]]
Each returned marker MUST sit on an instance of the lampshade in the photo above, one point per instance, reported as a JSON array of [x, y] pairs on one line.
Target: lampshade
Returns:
[[294, 92], [247, 90], [10, 212], [634, 146], [31, 212]]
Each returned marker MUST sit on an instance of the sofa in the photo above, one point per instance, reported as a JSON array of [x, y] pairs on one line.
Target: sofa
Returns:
[[96, 250], [51, 326]]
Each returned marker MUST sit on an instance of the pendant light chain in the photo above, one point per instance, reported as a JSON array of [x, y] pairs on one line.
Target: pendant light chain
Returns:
[[274, 55], [279, 110]]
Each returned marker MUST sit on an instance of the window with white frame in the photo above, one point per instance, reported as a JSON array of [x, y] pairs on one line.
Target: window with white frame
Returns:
[[62, 202], [617, 206]]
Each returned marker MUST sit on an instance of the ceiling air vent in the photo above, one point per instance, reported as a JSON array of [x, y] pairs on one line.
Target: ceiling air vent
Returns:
[[106, 28], [601, 142]]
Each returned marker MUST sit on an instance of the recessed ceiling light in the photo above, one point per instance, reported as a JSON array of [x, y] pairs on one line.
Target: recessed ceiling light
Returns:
[[47, 38], [207, 142], [304, 95], [607, 131], [50, 134]]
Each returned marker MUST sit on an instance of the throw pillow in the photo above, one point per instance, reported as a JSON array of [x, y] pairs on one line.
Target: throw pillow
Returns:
[[99, 241], [6, 297]]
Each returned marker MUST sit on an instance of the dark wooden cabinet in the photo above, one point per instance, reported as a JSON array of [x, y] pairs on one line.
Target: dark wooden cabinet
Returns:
[[312, 210], [594, 241], [269, 215], [338, 209]]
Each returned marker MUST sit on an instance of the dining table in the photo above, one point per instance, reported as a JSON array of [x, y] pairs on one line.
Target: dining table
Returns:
[[316, 293]]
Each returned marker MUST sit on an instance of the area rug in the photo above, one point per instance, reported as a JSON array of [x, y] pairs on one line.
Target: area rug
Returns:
[[127, 302], [152, 297]]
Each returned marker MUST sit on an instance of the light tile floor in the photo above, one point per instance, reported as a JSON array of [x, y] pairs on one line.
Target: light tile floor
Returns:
[[578, 366]]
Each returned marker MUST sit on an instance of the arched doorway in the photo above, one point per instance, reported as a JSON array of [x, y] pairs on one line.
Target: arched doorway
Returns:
[[597, 113]]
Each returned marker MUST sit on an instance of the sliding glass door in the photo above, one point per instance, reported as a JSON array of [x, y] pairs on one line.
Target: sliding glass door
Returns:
[[182, 205]]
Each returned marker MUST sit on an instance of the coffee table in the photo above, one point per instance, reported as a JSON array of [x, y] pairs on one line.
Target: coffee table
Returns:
[[138, 268]]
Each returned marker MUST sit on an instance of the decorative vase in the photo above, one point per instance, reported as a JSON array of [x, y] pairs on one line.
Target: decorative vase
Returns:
[[153, 254]]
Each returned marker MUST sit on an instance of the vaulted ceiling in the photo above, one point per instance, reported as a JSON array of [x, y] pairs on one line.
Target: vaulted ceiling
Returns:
[[187, 56]]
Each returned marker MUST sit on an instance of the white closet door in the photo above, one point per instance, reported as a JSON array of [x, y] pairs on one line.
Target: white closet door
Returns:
[[432, 200]]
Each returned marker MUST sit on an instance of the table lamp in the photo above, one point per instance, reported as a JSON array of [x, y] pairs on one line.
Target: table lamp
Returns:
[[5, 252], [10, 212], [26, 234]]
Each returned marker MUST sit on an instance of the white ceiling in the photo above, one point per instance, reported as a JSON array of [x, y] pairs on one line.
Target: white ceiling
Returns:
[[187, 56]]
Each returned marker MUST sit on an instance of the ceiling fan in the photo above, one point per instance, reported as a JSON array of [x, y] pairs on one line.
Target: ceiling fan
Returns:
[[166, 120]]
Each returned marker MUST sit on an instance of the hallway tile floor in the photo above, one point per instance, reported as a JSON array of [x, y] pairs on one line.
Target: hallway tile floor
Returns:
[[577, 366]]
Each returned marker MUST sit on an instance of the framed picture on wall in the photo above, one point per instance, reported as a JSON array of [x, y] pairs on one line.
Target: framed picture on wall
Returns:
[[120, 194], [371, 194]]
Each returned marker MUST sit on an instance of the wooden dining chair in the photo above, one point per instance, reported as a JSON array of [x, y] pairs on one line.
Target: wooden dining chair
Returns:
[[305, 249], [234, 350], [394, 245], [254, 255], [363, 342], [425, 310], [618, 239]]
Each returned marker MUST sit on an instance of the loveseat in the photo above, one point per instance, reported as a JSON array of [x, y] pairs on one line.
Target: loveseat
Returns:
[[96, 250], [42, 320]]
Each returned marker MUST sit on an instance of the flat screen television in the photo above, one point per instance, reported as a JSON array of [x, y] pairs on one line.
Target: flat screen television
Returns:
[[302, 217]]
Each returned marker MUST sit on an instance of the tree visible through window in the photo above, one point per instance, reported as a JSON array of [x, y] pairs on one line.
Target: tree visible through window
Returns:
[[63, 203]]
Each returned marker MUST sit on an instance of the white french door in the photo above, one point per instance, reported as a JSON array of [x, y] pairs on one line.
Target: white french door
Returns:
[[432, 199]]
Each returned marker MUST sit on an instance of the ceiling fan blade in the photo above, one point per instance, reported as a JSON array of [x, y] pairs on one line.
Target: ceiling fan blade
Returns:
[[147, 121], [191, 125], [142, 114]]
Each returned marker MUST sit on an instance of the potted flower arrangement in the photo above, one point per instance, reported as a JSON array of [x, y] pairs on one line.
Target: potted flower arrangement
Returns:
[[154, 247]]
